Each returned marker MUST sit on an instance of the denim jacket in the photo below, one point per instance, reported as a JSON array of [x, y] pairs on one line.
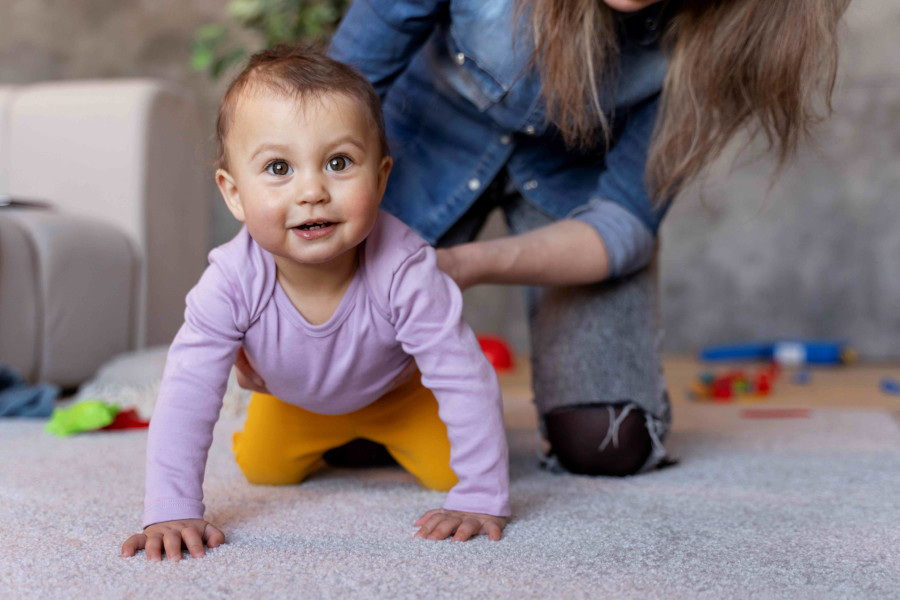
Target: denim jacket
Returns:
[[461, 103]]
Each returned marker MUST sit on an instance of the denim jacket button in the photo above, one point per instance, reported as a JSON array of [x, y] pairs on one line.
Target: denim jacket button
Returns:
[[504, 139], [460, 58], [531, 184], [530, 130], [474, 184]]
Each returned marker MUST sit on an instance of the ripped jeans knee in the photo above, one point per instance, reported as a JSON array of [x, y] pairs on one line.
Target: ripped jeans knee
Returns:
[[603, 439]]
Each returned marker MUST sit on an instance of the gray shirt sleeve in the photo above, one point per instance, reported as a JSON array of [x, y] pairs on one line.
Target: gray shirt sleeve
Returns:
[[629, 243]]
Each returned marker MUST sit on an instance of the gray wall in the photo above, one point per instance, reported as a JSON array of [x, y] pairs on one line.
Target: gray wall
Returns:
[[817, 254]]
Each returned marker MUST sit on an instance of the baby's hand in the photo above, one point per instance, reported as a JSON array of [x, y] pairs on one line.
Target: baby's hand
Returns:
[[170, 535], [439, 524]]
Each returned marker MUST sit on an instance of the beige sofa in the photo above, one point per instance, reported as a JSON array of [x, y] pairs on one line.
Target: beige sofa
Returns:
[[106, 269]]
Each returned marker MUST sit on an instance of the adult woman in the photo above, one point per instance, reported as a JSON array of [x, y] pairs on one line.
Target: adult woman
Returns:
[[581, 119]]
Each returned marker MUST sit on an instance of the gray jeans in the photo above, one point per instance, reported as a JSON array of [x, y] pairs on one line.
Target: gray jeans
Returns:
[[590, 344]]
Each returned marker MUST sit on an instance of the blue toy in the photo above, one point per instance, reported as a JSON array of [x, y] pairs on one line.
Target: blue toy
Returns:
[[785, 352]]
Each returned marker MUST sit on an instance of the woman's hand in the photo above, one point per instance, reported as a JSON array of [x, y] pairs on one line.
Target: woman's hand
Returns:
[[452, 261], [247, 377], [563, 253], [440, 524], [169, 536]]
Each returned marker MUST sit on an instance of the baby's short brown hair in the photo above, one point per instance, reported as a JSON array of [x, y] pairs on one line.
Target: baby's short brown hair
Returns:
[[297, 72]]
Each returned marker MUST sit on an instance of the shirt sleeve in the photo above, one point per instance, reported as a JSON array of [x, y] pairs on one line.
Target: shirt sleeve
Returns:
[[426, 308], [380, 37], [190, 398], [622, 212]]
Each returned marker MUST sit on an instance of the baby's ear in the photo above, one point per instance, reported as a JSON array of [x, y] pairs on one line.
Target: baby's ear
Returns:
[[230, 193], [384, 169]]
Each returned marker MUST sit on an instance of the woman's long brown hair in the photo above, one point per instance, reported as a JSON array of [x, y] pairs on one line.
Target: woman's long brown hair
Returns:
[[732, 63]]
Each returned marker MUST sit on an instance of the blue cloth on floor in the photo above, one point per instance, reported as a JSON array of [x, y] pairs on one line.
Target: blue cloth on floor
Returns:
[[18, 399]]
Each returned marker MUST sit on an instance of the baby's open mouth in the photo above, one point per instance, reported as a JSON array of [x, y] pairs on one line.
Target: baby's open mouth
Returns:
[[314, 226]]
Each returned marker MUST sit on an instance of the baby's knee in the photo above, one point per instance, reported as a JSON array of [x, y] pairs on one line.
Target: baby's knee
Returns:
[[268, 468], [438, 479], [431, 470], [577, 435]]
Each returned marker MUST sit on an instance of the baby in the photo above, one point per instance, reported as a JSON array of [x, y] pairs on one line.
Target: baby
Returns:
[[339, 307]]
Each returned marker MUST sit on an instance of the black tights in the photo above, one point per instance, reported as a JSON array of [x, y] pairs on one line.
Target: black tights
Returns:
[[576, 433]]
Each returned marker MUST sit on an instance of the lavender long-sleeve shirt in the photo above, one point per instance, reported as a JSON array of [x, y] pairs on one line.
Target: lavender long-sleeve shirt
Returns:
[[399, 305]]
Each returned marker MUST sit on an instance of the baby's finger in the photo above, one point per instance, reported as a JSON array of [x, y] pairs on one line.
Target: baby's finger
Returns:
[[154, 547], [430, 524], [133, 544], [468, 528], [172, 542], [445, 528], [426, 516], [193, 541], [213, 536], [492, 529]]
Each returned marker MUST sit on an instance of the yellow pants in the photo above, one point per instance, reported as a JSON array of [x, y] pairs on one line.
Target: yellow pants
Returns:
[[283, 444]]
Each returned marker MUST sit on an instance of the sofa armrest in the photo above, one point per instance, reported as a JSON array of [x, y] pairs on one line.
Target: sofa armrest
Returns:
[[127, 153], [68, 288]]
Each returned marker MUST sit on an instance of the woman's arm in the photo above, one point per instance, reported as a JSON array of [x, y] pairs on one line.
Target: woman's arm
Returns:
[[613, 235], [380, 37], [567, 252]]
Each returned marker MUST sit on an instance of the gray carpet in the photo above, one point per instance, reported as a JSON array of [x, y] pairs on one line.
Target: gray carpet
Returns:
[[798, 508]]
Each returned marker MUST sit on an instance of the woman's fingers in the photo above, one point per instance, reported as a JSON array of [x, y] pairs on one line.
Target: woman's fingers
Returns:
[[247, 377]]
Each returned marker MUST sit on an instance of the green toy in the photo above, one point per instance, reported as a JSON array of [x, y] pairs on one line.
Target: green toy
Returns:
[[86, 415]]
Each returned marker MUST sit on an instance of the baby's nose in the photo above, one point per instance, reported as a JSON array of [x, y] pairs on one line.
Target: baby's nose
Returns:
[[312, 191]]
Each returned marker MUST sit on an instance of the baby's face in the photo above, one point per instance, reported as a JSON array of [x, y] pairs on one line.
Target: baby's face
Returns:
[[306, 177]]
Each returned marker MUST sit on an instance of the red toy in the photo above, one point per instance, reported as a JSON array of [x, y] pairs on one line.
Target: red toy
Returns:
[[734, 385], [497, 351], [128, 419]]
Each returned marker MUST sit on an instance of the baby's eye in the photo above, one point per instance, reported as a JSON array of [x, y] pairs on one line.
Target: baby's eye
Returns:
[[338, 163], [279, 167]]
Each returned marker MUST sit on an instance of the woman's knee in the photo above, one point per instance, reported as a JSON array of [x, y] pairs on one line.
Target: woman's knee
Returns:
[[580, 439]]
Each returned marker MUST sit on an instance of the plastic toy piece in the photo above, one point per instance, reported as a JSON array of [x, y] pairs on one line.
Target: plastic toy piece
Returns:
[[775, 413], [128, 419], [496, 350], [889, 385], [734, 385], [86, 415], [721, 390], [785, 352], [699, 390], [763, 384]]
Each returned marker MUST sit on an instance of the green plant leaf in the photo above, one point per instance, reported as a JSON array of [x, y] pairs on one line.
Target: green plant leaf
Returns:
[[223, 62], [210, 33], [201, 58], [276, 21]]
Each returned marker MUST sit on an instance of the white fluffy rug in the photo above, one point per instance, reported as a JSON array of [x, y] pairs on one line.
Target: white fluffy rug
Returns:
[[131, 380], [798, 508]]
